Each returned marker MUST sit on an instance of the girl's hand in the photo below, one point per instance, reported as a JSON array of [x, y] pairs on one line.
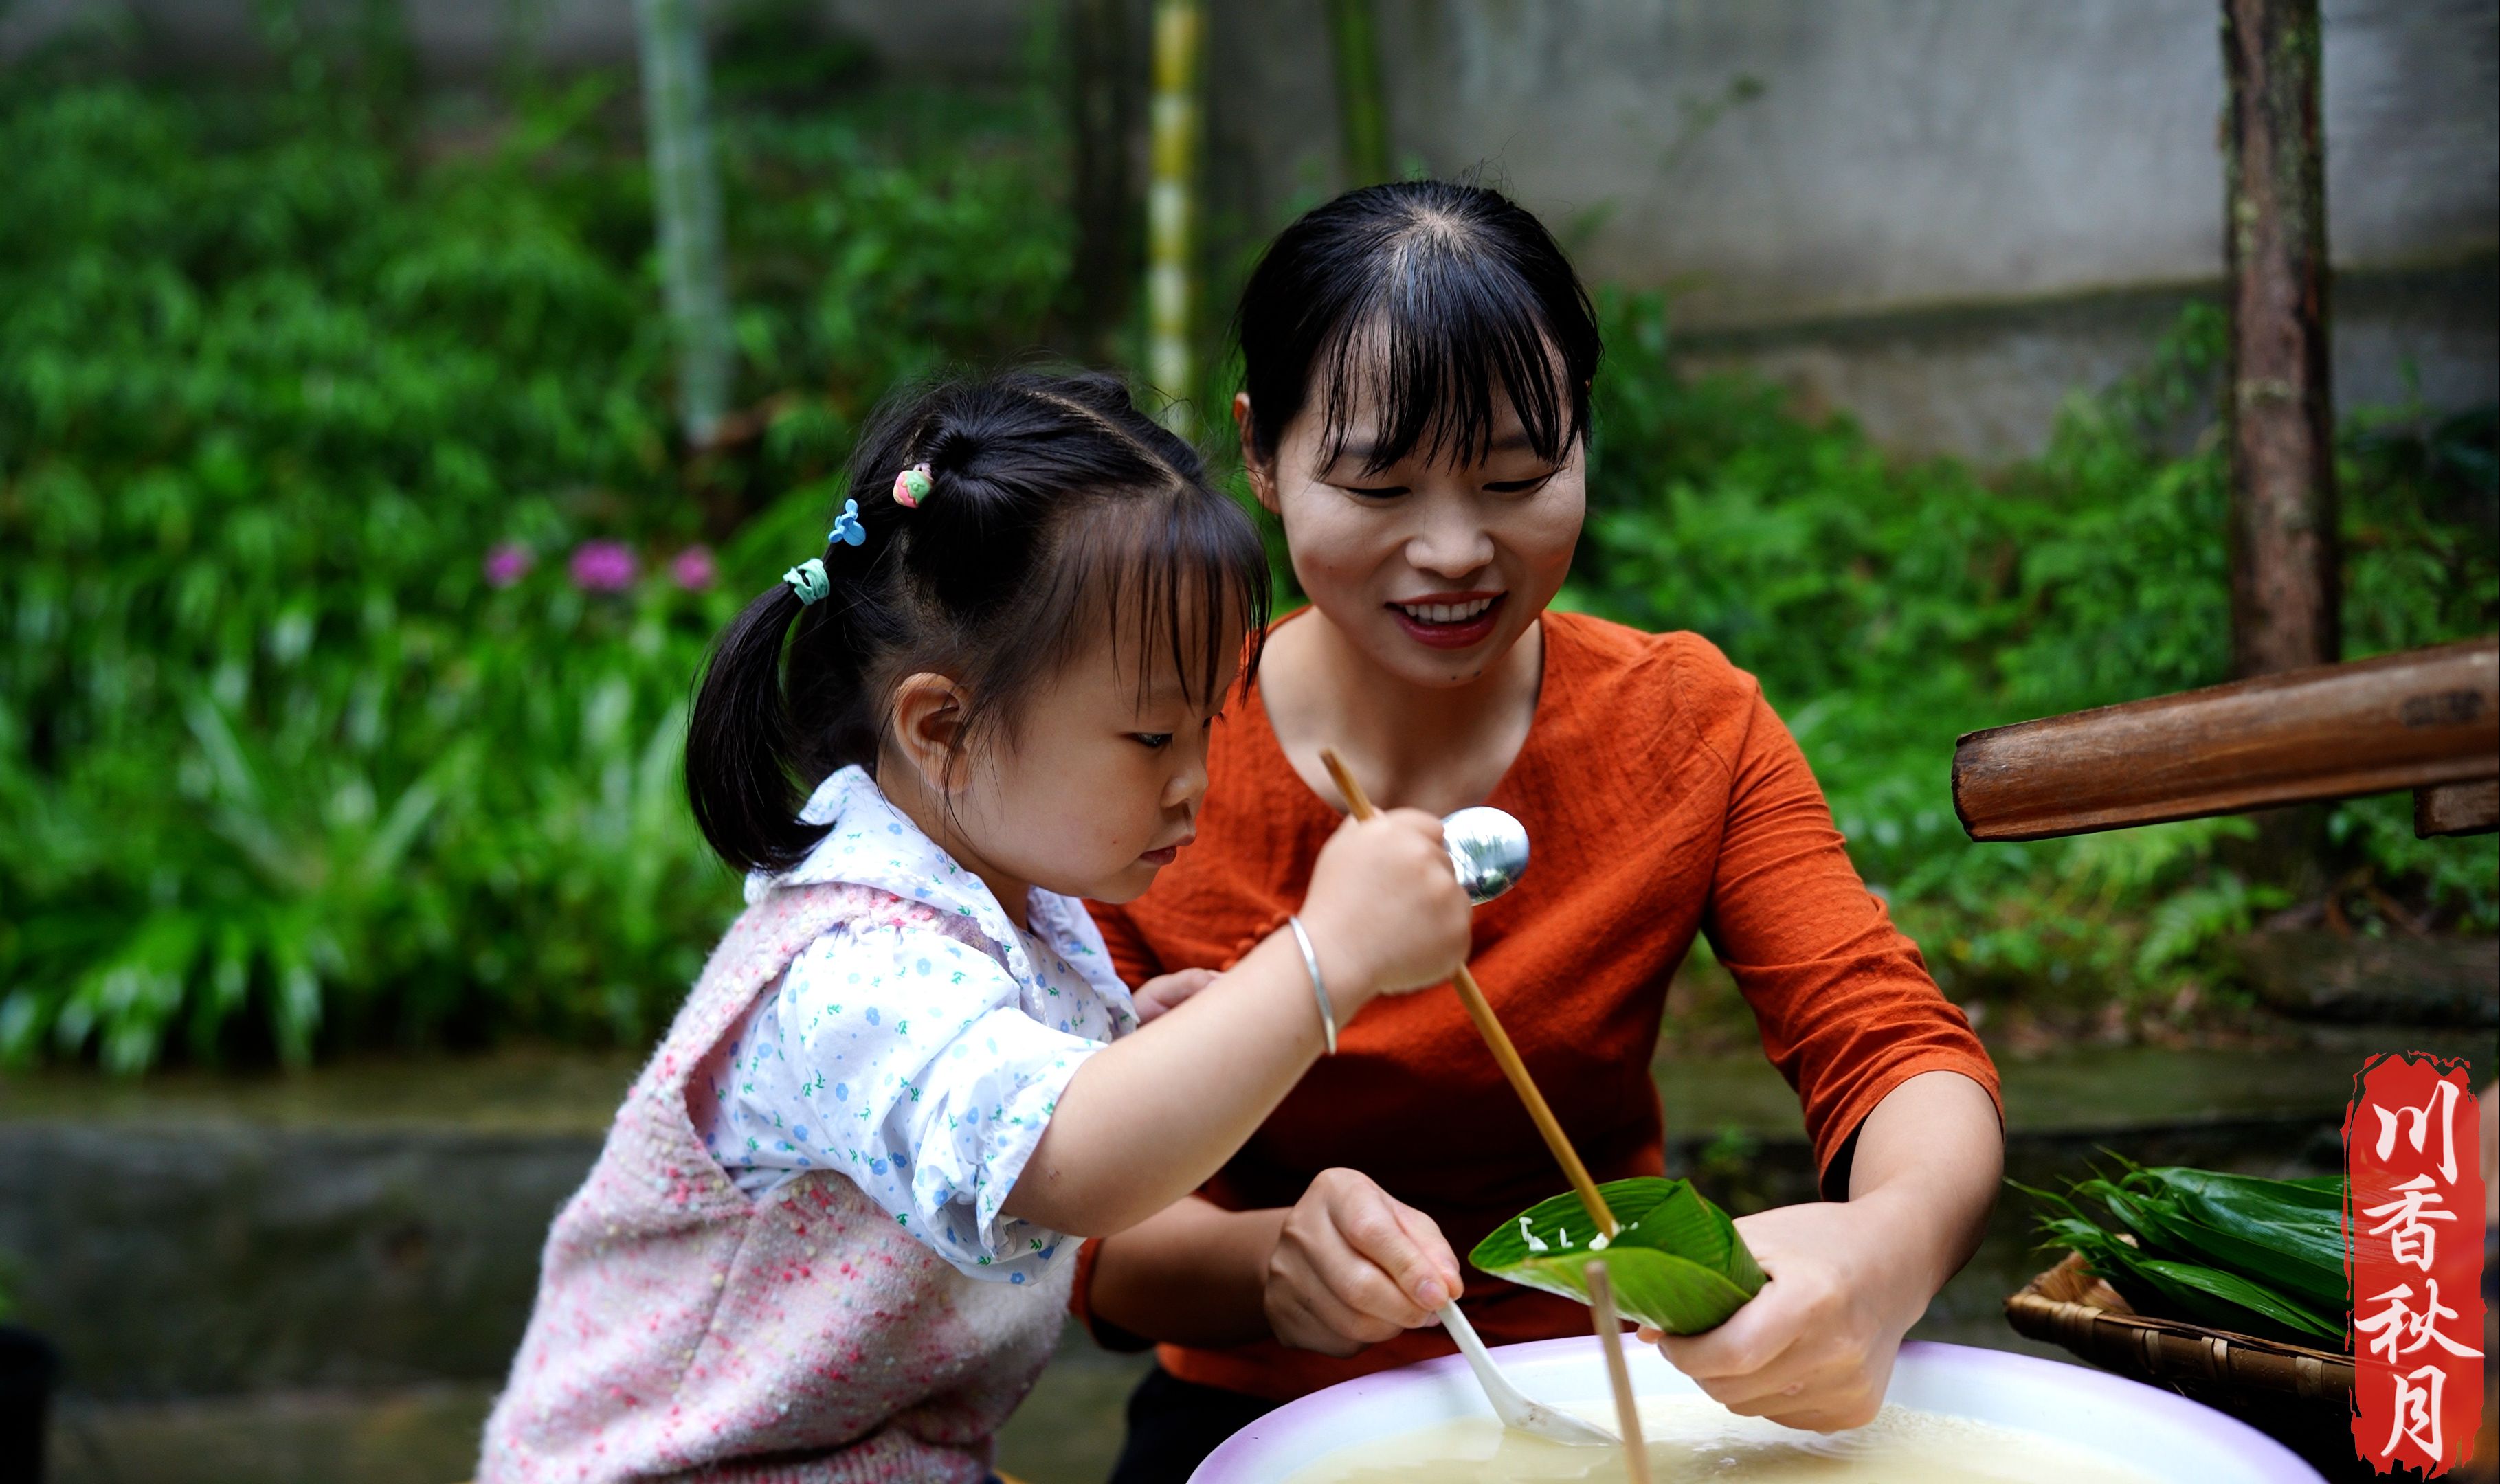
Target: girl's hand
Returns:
[[1385, 910], [1165, 990], [1354, 1266], [1814, 1350]]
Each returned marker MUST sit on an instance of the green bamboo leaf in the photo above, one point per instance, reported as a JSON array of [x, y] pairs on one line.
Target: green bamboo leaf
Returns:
[[1677, 1263], [2151, 1218], [2275, 1254], [2161, 1262], [2235, 1218], [2260, 1218], [2242, 1292], [2273, 1228], [2187, 1290], [2321, 1193]]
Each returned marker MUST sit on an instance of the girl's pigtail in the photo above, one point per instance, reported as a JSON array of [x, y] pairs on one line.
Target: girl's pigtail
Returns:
[[742, 742]]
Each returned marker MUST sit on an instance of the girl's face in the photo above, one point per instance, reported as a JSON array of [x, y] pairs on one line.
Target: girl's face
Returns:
[[1431, 570], [1098, 789]]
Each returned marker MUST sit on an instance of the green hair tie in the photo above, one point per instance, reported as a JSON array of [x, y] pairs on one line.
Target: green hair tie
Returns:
[[808, 579]]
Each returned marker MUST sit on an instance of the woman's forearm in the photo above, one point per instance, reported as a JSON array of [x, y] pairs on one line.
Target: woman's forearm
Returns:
[[1931, 1155], [1190, 1274]]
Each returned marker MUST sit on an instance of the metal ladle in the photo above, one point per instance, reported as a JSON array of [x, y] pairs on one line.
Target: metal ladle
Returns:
[[1488, 848], [1509, 1404]]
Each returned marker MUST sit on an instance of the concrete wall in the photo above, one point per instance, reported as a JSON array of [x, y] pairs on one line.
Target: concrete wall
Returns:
[[1903, 154], [1942, 215]]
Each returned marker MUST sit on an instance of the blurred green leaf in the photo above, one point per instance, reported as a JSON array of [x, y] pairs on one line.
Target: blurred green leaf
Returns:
[[1888, 604], [281, 769]]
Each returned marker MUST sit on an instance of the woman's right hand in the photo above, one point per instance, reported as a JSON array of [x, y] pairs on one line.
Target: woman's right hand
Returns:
[[1385, 910], [1354, 1265]]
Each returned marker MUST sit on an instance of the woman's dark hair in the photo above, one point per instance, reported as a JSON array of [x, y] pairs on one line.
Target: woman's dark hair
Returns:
[[1056, 508], [1418, 298]]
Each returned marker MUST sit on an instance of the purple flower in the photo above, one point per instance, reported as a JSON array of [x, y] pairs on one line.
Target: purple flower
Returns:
[[693, 569], [508, 562], [602, 567]]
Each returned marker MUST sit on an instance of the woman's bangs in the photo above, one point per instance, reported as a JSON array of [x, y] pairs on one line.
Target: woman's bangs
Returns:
[[1427, 358]]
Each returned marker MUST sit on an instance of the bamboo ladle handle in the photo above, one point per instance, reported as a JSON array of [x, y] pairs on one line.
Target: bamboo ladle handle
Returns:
[[1488, 1025]]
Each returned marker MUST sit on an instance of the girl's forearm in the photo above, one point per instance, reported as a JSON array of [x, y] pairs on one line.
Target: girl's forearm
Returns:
[[1192, 1274], [1931, 1155], [1147, 1119]]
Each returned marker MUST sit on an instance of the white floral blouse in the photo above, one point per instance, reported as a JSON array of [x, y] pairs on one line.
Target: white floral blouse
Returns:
[[921, 1068]]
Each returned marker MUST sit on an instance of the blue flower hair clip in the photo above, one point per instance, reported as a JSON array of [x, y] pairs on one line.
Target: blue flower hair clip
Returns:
[[847, 529]]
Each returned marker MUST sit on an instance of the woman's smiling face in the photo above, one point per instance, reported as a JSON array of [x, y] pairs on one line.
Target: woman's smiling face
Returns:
[[1434, 566]]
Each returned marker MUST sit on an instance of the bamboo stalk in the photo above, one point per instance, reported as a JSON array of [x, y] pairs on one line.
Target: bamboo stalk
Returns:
[[1610, 1339], [685, 197], [1498, 1040], [1362, 123], [1171, 201]]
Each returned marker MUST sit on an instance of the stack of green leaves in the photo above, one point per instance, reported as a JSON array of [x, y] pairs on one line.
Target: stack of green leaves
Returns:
[[2235, 1252], [1676, 1260]]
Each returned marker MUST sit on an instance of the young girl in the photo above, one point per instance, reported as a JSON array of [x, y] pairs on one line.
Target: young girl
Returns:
[[828, 1239], [1416, 368]]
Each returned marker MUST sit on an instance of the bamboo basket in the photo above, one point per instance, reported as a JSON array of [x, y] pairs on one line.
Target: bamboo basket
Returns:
[[2298, 1394]]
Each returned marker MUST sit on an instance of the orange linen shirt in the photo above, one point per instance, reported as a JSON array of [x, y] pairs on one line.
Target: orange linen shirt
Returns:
[[1662, 798]]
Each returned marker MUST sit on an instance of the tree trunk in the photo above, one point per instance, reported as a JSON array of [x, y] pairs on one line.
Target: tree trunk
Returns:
[[1363, 118], [2281, 416], [1171, 206], [1107, 44], [685, 198]]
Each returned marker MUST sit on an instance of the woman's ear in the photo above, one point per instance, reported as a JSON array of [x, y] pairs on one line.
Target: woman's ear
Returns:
[[1263, 475], [929, 712]]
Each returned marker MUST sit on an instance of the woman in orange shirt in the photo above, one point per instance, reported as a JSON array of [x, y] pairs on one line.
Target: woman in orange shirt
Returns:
[[1416, 361]]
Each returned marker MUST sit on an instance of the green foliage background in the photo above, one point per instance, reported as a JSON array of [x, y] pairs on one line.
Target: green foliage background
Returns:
[[280, 772], [1888, 609]]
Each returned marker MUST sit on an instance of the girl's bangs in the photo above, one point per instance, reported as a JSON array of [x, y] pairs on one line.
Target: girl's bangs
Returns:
[[1171, 578]]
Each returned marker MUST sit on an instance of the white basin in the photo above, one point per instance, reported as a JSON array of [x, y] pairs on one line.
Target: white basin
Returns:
[[2164, 1435]]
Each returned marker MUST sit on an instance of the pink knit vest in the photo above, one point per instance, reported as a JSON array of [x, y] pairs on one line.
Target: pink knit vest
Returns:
[[682, 1331]]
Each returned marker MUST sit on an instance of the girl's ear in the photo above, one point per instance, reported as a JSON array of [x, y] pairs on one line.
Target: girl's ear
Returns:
[[1263, 476], [929, 712]]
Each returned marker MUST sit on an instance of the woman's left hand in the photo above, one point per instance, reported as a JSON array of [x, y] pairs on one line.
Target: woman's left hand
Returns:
[[1814, 1350]]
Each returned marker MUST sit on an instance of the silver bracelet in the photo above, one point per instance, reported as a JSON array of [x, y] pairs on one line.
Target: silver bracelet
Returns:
[[1311, 962]]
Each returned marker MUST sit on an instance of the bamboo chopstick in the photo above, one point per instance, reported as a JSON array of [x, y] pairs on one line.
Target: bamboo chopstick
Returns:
[[1488, 1025], [1610, 1339]]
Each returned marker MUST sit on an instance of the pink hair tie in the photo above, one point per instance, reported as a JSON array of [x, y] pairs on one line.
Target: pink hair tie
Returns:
[[912, 486]]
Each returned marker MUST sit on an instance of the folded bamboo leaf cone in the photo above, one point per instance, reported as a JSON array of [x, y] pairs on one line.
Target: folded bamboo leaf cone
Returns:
[[1677, 1263]]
